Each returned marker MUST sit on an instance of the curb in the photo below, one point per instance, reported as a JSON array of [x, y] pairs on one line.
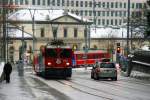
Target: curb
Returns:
[[137, 75]]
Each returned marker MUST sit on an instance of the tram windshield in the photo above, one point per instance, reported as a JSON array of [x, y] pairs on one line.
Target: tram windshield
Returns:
[[65, 53], [51, 53]]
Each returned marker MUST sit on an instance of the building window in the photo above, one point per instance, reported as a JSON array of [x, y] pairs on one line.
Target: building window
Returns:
[[99, 13], [112, 5], [77, 12], [39, 2], [81, 3], [72, 3], [75, 32], [116, 6], [63, 2], [16, 2], [120, 13], [111, 21], [120, 5], [43, 3], [107, 22], [77, 3], [103, 4], [90, 4], [116, 22], [21, 2], [58, 2], [125, 5], [124, 13], [85, 33], [26, 2], [99, 21], [54, 32], [103, 13], [120, 21], [107, 13], [53, 2], [67, 2], [11, 2], [86, 4], [90, 13], [48, 2], [112, 13], [137, 5], [86, 13], [116, 13], [103, 21], [33, 2], [107, 4], [99, 4], [42, 32], [65, 32], [81, 13]]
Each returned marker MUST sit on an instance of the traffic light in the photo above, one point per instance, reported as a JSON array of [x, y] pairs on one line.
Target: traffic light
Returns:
[[118, 48]]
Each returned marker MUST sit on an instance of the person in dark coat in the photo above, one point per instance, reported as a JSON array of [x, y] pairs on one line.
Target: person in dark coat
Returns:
[[7, 71]]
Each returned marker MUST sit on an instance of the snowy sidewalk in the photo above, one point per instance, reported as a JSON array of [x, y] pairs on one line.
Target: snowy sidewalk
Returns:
[[17, 89]]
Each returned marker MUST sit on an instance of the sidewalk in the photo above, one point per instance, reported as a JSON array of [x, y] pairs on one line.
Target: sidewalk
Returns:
[[17, 89], [140, 75]]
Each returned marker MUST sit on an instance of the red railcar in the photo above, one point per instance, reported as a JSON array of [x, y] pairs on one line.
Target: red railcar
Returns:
[[54, 61], [89, 58]]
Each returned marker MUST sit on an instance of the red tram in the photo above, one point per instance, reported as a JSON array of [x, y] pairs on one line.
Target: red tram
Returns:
[[54, 61], [81, 58]]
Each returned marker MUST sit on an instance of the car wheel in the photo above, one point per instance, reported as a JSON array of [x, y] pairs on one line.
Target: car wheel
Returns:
[[92, 76], [114, 78]]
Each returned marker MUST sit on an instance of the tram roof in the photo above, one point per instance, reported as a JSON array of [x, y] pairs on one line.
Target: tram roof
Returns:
[[54, 46]]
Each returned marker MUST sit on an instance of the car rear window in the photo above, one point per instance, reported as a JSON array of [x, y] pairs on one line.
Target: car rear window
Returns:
[[107, 65]]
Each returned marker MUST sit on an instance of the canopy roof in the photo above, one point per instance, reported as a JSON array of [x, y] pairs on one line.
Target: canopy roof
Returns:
[[42, 15]]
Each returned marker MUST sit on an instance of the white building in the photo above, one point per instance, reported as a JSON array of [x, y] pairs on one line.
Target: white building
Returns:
[[107, 12]]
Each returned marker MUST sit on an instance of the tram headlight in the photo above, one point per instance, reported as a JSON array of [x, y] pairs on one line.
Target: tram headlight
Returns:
[[49, 63], [67, 63]]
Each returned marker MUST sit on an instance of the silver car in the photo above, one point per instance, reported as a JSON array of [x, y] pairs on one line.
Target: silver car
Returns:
[[104, 70]]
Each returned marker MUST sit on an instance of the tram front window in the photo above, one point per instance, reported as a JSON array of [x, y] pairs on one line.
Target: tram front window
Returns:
[[66, 53], [51, 53]]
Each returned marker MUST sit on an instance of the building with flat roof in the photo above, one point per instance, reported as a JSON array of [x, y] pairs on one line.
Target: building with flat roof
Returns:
[[104, 12]]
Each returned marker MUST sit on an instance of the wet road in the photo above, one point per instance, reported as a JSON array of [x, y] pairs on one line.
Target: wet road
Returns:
[[79, 87], [82, 87]]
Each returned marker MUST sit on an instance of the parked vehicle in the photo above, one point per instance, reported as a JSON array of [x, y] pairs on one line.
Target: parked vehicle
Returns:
[[104, 70]]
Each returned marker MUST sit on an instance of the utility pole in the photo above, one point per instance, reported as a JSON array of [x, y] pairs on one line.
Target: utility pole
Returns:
[[4, 31], [128, 26]]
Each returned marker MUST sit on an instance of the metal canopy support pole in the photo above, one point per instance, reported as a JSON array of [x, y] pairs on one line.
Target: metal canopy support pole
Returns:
[[128, 26], [23, 44], [33, 28]]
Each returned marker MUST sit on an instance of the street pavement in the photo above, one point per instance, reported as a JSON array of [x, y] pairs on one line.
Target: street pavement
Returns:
[[18, 88]]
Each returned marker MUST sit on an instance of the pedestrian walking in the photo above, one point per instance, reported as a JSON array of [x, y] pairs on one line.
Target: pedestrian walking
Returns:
[[7, 71]]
